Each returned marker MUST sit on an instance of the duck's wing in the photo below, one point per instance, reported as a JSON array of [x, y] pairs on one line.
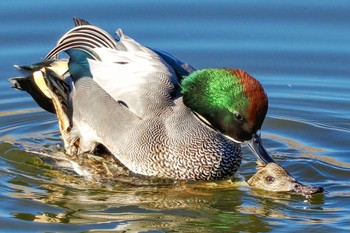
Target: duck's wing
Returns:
[[181, 68], [125, 69]]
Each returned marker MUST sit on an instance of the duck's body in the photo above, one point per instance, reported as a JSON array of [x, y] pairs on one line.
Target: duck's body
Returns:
[[170, 143], [129, 99]]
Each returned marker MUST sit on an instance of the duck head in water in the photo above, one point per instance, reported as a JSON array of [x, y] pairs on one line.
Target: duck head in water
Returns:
[[273, 177]]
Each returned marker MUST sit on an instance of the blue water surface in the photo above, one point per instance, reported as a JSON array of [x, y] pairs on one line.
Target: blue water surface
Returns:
[[298, 50]]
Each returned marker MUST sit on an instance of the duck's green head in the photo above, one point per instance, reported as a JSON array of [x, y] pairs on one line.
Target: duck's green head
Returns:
[[232, 101]]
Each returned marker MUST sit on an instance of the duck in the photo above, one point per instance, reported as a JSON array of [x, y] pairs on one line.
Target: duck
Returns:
[[157, 115]]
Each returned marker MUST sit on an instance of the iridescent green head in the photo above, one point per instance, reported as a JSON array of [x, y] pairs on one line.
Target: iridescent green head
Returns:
[[232, 101]]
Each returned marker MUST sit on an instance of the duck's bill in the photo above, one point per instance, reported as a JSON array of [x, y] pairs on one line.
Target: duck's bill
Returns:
[[255, 145], [305, 190]]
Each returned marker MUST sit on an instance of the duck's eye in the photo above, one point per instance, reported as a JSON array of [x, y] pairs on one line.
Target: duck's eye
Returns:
[[238, 116], [270, 179]]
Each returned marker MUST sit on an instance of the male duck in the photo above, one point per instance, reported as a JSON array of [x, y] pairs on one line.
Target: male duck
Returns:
[[153, 112]]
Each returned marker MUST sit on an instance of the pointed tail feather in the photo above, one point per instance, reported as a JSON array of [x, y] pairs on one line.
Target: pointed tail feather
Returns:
[[34, 83], [30, 85], [47, 84], [60, 67]]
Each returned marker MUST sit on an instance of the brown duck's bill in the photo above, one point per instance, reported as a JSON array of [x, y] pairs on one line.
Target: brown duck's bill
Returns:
[[255, 145], [274, 178]]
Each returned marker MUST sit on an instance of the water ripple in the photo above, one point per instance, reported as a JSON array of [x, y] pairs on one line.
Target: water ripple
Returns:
[[299, 51]]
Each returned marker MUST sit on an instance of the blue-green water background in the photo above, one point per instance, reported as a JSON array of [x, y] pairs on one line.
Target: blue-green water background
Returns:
[[298, 50]]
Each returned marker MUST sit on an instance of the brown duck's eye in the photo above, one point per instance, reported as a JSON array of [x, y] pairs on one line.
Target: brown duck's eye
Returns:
[[238, 116], [270, 179]]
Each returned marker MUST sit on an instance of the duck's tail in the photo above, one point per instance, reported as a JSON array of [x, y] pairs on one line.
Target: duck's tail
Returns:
[[48, 83]]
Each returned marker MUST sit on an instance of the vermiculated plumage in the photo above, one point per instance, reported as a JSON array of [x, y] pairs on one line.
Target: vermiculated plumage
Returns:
[[127, 97]]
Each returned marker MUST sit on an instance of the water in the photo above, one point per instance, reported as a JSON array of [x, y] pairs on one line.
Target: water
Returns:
[[299, 51]]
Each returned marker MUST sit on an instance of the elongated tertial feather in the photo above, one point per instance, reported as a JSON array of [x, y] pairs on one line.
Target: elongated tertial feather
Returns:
[[84, 37], [79, 22]]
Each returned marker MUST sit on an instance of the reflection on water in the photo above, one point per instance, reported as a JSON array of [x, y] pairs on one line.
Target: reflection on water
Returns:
[[299, 52], [65, 197]]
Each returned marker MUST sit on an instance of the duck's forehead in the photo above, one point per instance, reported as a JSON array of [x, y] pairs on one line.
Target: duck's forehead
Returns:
[[255, 94], [251, 87]]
